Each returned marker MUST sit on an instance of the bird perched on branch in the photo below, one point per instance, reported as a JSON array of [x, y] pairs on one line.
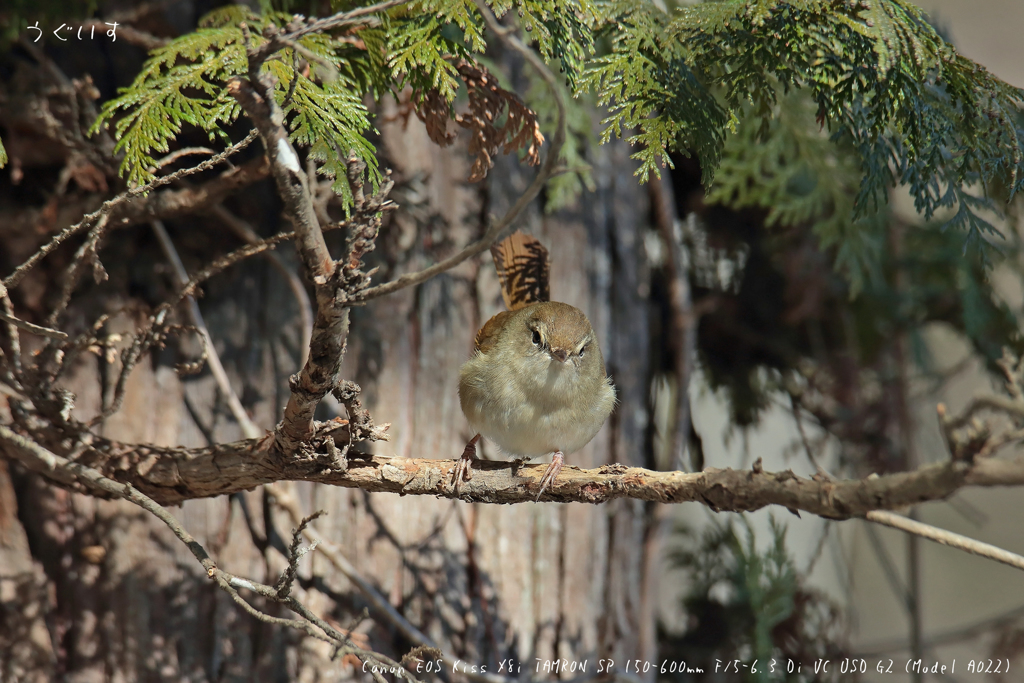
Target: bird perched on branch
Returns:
[[536, 383]]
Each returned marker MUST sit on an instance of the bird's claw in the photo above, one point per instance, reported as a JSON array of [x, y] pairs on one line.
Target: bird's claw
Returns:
[[550, 473], [464, 467]]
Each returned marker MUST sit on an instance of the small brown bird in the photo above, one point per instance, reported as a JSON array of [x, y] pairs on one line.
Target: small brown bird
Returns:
[[536, 383]]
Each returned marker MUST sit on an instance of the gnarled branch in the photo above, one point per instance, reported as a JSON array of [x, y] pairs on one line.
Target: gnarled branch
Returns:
[[173, 475]]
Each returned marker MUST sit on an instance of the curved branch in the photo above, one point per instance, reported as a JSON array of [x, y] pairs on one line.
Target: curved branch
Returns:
[[549, 168]]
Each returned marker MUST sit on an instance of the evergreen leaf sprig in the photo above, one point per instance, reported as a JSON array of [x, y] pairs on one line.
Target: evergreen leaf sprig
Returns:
[[420, 42], [184, 83], [647, 86], [415, 45], [562, 30], [918, 113], [795, 173]]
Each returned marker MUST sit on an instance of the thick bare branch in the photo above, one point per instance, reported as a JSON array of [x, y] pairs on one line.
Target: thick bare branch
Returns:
[[256, 98], [322, 371], [173, 475]]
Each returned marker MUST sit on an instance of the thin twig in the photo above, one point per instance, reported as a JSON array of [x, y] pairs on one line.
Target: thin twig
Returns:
[[13, 338], [51, 464], [34, 329], [380, 604], [249, 428], [798, 419], [295, 553], [157, 326], [547, 170], [19, 273], [360, 15], [61, 469], [1000, 404], [177, 154], [231, 258], [313, 58], [86, 255], [944, 537]]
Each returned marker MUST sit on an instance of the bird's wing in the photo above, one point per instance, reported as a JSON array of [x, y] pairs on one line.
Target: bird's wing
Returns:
[[523, 270], [487, 337]]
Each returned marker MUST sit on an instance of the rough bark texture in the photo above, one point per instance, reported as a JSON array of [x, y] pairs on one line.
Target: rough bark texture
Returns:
[[173, 476]]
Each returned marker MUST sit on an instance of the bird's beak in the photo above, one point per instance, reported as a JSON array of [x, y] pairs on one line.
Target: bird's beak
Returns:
[[560, 354]]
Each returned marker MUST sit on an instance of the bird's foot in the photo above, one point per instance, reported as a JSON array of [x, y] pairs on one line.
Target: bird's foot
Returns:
[[551, 472], [464, 468]]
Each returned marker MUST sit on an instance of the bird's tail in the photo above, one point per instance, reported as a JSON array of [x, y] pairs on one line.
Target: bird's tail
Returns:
[[523, 270]]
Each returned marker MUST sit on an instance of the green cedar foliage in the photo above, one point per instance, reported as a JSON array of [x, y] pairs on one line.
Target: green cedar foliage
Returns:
[[415, 45], [882, 81], [917, 113], [799, 177], [184, 83], [779, 220]]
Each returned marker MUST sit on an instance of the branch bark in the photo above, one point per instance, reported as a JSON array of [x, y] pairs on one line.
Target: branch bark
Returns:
[[172, 203], [174, 475], [322, 370]]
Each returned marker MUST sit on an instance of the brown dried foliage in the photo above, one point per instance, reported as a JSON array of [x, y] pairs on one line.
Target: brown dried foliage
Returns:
[[489, 103]]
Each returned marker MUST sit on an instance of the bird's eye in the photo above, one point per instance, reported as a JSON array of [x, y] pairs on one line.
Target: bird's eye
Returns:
[[536, 337], [583, 350]]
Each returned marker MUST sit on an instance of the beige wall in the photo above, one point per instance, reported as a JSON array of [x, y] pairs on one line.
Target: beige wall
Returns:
[[991, 32]]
